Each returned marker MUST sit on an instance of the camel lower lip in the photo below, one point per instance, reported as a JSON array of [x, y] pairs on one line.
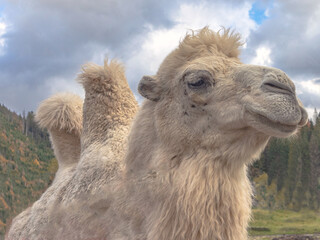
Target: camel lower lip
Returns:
[[276, 125]]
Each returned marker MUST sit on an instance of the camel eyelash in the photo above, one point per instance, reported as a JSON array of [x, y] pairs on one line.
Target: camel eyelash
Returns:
[[197, 79], [200, 83]]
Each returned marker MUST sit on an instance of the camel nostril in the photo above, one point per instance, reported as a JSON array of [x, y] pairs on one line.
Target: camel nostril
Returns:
[[275, 86], [272, 85]]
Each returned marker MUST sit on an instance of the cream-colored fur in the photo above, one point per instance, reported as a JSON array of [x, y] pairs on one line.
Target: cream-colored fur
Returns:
[[108, 109], [61, 114], [184, 175]]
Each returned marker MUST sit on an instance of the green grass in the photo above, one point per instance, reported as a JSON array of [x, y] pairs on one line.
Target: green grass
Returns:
[[267, 222]]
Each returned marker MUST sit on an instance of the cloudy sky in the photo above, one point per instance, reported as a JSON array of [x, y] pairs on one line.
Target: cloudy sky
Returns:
[[43, 43]]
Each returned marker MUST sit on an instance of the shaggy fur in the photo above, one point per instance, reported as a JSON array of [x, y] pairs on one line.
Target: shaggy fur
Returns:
[[62, 116], [108, 109], [62, 111], [202, 43], [184, 175]]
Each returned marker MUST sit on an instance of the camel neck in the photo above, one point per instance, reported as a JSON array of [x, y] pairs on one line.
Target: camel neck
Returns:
[[205, 202], [198, 191]]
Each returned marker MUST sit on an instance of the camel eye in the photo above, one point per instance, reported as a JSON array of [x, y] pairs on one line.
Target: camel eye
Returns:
[[201, 83], [197, 84], [198, 80]]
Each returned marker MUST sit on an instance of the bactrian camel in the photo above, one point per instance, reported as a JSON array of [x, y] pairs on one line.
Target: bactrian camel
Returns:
[[205, 118]]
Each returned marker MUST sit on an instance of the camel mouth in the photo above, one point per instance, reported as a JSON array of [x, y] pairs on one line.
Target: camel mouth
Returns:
[[286, 129]]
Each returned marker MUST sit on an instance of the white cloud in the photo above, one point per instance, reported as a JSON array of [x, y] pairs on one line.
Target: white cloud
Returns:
[[309, 93], [100, 54], [60, 84], [313, 24], [216, 14], [71, 36], [310, 111], [3, 30], [262, 56], [159, 42], [50, 40], [267, 12], [309, 86]]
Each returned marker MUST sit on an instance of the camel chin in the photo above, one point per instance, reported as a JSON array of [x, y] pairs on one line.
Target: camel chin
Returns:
[[274, 126], [269, 127]]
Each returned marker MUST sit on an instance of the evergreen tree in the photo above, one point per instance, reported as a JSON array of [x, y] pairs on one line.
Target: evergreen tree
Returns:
[[315, 116], [305, 134], [293, 163], [314, 149]]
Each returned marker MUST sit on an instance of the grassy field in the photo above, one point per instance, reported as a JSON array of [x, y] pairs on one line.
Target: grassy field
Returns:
[[267, 222]]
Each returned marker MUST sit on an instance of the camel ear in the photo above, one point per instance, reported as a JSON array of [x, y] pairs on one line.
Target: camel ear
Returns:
[[148, 88]]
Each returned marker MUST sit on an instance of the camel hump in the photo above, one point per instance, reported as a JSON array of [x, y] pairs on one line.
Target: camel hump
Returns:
[[109, 104], [62, 112], [102, 79]]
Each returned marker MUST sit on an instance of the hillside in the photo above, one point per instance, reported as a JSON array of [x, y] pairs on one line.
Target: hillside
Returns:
[[27, 164]]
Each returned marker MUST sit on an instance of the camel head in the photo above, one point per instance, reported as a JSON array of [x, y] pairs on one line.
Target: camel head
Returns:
[[202, 94]]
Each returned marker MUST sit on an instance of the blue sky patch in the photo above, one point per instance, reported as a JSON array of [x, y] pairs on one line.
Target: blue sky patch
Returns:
[[1, 8], [258, 12]]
